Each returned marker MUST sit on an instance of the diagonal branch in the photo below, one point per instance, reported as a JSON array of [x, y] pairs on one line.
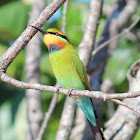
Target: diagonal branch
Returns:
[[125, 105], [125, 31], [7, 58], [47, 116]]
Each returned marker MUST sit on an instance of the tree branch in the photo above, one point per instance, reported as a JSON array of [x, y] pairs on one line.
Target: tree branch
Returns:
[[7, 58], [33, 101], [125, 105], [87, 44], [128, 121], [88, 41], [64, 16], [66, 121], [125, 31], [47, 116], [86, 93]]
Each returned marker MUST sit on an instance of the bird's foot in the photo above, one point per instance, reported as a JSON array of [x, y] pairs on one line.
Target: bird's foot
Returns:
[[58, 88], [70, 90]]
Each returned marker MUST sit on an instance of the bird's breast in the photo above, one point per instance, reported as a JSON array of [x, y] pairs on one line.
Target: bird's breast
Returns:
[[64, 70]]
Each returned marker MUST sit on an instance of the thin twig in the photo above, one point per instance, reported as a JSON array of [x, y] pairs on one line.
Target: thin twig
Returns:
[[125, 31], [47, 116], [123, 104], [129, 77], [66, 121]]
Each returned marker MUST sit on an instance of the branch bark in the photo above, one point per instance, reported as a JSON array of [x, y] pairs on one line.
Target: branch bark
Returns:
[[66, 121], [34, 111], [47, 116], [87, 44], [128, 122], [7, 58], [115, 23], [88, 41], [92, 94], [64, 16], [125, 31]]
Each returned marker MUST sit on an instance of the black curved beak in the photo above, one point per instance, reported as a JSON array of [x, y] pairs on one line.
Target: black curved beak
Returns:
[[39, 29]]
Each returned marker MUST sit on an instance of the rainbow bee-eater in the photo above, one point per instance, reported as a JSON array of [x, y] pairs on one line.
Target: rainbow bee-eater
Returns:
[[70, 73]]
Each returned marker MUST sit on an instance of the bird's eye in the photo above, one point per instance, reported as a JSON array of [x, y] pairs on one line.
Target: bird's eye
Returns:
[[57, 34]]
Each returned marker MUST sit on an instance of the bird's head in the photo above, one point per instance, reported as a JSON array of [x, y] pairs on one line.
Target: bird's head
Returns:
[[54, 39]]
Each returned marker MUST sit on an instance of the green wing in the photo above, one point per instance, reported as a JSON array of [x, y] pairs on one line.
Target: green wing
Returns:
[[80, 69]]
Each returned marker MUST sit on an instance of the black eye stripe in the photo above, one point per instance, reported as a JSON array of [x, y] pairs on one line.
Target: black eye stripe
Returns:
[[58, 35], [51, 33], [64, 37]]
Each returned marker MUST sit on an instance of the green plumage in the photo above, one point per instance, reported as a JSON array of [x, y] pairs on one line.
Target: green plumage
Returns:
[[70, 73]]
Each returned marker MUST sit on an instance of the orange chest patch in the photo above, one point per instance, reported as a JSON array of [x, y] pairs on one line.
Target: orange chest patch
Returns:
[[51, 39]]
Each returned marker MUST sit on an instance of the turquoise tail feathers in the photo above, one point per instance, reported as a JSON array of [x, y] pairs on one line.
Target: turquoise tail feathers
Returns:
[[86, 106]]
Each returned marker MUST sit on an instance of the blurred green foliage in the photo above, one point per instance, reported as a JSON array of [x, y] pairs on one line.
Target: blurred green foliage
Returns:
[[14, 16], [119, 63]]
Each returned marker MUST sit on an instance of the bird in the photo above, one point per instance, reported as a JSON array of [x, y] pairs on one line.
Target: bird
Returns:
[[70, 73]]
